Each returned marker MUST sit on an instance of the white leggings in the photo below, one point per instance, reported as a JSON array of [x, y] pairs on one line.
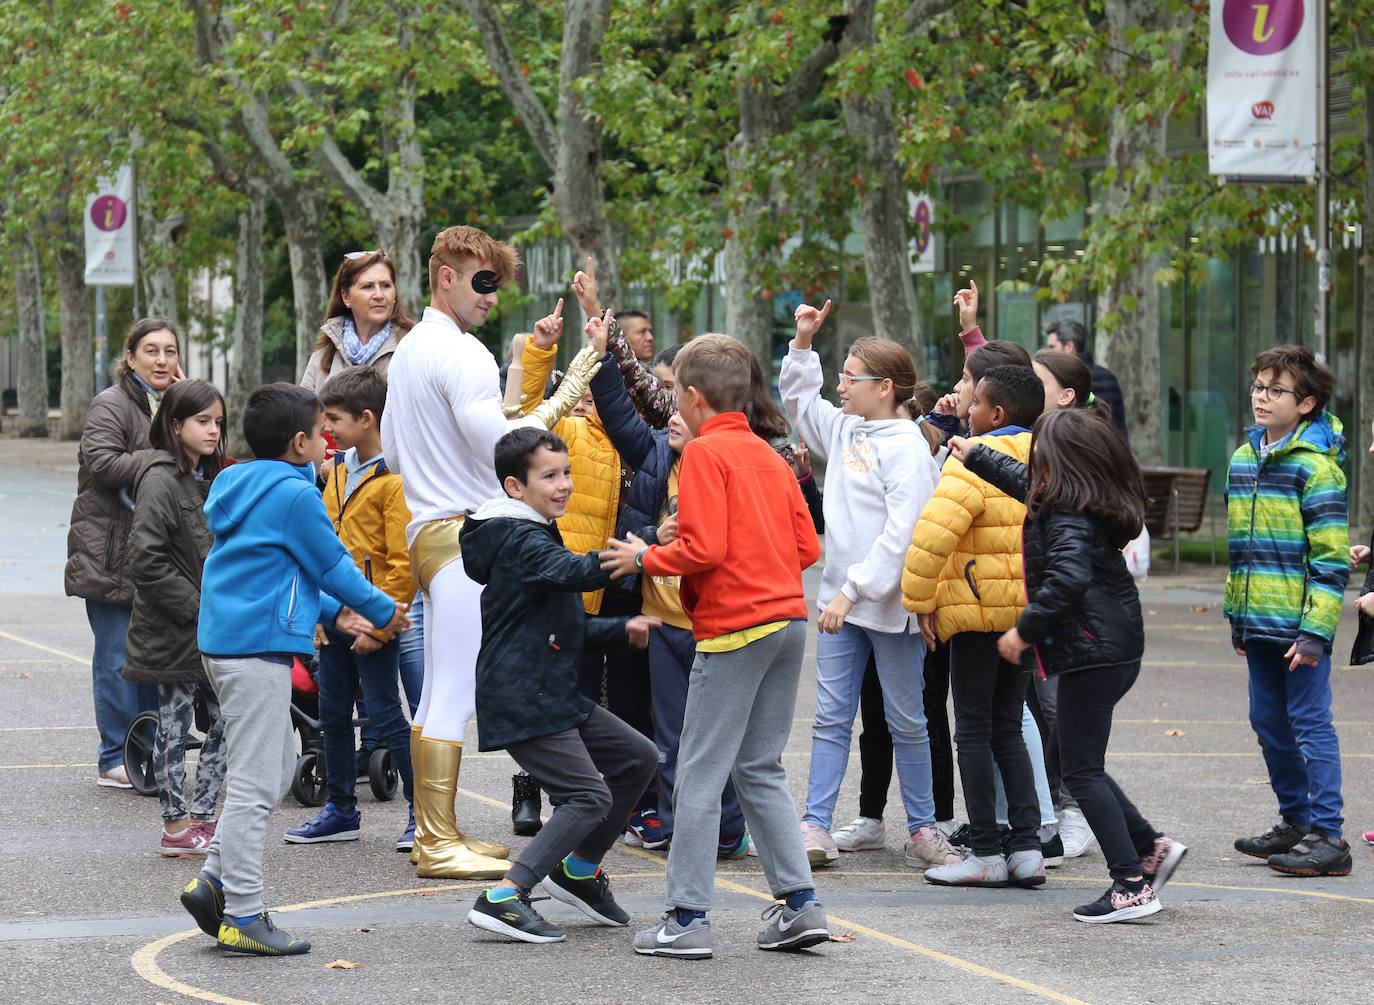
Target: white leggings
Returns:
[[453, 636]]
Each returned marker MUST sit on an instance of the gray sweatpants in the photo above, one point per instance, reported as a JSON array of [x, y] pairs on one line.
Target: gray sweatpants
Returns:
[[255, 699], [595, 774], [739, 713]]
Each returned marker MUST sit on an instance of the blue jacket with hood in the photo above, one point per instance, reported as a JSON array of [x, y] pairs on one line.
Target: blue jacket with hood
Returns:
[[276, 567]]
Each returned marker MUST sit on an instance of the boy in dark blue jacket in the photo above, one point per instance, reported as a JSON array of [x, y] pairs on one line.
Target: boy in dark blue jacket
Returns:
[[592, 764], [275, 570]]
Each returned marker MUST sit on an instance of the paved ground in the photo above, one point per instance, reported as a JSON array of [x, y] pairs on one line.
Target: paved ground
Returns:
[[88, 911]]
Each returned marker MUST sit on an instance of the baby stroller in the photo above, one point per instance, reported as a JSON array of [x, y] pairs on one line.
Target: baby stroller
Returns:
[[309, 784], [138, 745]]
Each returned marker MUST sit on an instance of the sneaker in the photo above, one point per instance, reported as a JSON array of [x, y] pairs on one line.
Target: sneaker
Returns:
[[259, 937], [363, 756], [1315, 855], [1160, 864], [928, 848], [1119, 904], [732, 850], [1026, 868], [1369, 837], [207, 827], [645, 830], [192, 842], [515, 919], [590, 896], [1074, 832], [115, 778], [1275, 841], [1052, 851], [330, 825], [203, 899], [668, 938], [789, 931], [861, 834], [959, 838], [406, 842], [820, 846], [949, 827], [971, 870]]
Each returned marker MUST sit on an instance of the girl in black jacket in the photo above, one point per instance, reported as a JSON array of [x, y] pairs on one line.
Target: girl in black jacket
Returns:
[[168, 546], [1085, 500]]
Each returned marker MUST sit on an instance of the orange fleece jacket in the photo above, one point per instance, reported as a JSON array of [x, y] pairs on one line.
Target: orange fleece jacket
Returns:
[[744, 532]]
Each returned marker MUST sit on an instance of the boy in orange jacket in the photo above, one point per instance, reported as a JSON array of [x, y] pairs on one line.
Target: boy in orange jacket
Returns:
[[745, 536]]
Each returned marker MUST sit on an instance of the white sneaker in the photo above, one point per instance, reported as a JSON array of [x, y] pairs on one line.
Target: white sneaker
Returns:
[[1074, 831], [820, 846], [861, 834], [115, 778]]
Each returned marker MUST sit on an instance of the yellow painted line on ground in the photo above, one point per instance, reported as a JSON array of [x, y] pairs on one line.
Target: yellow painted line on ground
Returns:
[[934, 954], [83, 660]]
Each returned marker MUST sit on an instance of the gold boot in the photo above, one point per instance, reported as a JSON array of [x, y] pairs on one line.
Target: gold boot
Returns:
[[443, 854], [418, 772]]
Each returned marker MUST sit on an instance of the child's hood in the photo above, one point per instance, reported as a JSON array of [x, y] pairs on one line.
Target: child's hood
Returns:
[[1324, 434], [486, 532], [241, 490]]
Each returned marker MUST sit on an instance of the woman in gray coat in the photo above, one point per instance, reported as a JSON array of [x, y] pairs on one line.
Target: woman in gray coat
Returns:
[[114, 447]]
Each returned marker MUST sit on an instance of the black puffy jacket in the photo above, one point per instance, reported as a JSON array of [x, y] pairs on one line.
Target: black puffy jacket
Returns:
[[533, 623], [1084, 609]]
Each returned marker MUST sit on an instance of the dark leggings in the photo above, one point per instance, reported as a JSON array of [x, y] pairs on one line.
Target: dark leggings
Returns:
[[1086, 700], [875, 742]]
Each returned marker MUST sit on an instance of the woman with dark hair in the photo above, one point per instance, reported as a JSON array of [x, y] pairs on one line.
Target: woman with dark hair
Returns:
[[114, 448], [168, 546], [1068, 383], [363, 322]]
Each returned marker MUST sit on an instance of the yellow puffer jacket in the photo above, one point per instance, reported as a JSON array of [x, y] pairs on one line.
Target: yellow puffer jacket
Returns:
[[964, 562], [371, 523], [590, 520]]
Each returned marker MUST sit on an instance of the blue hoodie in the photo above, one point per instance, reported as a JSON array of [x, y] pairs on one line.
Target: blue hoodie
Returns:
[[276, 567]]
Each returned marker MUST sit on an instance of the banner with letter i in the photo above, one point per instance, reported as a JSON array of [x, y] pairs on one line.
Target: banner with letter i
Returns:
[[1262, 88], [111, 259]]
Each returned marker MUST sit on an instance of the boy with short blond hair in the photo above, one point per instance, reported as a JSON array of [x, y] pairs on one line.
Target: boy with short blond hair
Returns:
[[745, 536]]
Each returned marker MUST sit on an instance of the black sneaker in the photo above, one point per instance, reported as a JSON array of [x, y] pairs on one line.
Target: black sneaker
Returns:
[[204, 901], [1053, 852], [515, 919], [1275, 841], [1119, 904], [960, 838], [259, 937], [1315, 855], [525, 805], [590, 896]]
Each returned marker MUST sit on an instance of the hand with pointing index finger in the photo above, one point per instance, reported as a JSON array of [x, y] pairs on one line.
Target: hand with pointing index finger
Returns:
[[809, 321], [584, 288], [548, 330], [598, 329], [967, 302]]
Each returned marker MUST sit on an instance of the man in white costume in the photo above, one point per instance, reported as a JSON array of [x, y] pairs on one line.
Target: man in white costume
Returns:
[[443, 418]]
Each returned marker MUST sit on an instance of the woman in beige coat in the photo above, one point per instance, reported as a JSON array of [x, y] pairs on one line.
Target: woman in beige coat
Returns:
[[363, 322]]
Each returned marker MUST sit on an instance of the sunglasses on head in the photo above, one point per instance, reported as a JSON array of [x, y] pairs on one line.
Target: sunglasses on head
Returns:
[[362, 254]]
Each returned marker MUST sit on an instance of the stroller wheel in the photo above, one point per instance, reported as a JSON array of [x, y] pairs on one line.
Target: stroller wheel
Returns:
[[138, 753], [382, 775], [308, 784]]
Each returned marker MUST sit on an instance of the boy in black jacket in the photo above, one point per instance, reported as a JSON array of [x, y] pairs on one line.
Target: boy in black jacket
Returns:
[[533, 629]]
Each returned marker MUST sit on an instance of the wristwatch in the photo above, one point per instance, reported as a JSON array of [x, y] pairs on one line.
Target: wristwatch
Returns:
[[639, 559]]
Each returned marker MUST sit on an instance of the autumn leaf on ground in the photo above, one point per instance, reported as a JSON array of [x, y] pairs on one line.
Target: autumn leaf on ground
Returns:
[[846, 937], [342, 965], [1199, 608], [1173, 732], [24, 676]]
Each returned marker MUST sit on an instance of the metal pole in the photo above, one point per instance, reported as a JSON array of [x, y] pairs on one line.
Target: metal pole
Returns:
[[102, 337], [1323, 304]]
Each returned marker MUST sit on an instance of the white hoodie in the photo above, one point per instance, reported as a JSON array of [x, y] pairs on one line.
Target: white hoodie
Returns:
[[879, 475]]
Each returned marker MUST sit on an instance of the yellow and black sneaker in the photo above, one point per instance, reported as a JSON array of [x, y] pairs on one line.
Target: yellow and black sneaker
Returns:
[[259, 937], [204, 901], [514, 917]]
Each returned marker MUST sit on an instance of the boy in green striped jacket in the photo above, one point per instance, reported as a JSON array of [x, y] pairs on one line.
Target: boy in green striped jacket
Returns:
[[1288, 525]]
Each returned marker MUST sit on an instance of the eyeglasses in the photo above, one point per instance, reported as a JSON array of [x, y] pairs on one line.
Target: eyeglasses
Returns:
[[363, 254], [1273, 392], [846, 379]]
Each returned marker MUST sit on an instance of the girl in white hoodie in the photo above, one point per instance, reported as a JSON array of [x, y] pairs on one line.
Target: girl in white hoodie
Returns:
[[879, 476]]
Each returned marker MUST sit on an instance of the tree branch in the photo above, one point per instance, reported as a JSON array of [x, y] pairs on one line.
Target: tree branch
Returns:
[[518, 91], [806, 83], [920, 12]]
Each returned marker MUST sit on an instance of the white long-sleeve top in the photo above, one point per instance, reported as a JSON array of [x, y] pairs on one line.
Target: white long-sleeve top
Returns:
[[442, 420], [879, 475]]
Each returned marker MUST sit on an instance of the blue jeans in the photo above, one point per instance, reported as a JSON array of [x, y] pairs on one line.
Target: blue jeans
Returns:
[[341, 671], [412, 661], [840, 663], [671, 653], [117, 701], [1290, 711]]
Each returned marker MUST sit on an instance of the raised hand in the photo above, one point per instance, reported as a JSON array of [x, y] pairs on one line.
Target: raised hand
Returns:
[[967, 302], [598, 330], [948, 404], [809, 321], [548, 330], [584, 288]]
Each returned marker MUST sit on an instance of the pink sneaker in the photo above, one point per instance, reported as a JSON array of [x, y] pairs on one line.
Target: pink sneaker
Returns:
[[1369, 837], [207, 828], [192, 842]]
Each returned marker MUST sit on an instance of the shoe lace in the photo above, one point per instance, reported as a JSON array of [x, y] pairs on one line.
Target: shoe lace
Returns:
[[772, 911]]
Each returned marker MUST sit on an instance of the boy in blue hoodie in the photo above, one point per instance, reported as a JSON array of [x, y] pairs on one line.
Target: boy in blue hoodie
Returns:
[[275, 570]]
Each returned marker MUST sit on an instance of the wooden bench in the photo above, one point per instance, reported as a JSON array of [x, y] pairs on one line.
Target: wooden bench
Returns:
[[1178, 502]]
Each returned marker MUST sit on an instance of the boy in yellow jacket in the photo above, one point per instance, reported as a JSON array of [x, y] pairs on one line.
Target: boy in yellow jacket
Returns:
[[365, 502], [963, 577]]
